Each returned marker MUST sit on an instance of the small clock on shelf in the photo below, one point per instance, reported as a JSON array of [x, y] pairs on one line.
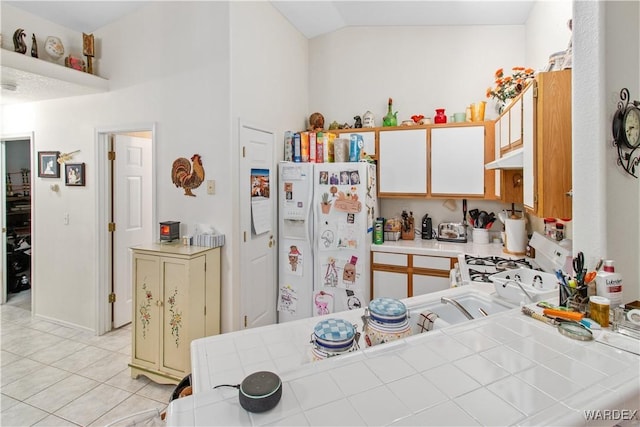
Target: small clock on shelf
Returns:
[[626, 132]]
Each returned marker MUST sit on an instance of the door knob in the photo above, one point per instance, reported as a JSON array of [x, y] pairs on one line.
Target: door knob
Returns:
[[271, 241]]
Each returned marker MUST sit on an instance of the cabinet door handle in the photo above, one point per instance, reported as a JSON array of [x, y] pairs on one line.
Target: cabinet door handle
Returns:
[[569, 193], [159, 303]]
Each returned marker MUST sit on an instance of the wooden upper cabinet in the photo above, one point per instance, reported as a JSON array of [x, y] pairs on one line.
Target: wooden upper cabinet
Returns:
[[402, 163], [548, 154]]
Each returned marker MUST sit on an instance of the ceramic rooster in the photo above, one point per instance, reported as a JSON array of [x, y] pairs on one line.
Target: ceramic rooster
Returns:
[[184, 175]]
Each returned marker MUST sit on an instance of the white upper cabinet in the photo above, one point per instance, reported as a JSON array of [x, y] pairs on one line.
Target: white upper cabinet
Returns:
[[457, 161], [402, 162]]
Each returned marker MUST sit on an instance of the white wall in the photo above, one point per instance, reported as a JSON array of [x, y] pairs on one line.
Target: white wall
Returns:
[[547, 31], [174, 75], [356, 69], [269, 89], [422, 68], [194, 79], [606, 201]]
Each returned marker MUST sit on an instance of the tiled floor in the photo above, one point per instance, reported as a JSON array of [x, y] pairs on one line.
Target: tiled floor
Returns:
[[52, 375]]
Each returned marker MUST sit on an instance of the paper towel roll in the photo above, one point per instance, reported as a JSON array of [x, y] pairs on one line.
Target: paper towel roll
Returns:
[[515, 236]]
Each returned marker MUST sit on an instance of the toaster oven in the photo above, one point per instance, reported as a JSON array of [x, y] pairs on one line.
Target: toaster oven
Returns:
[[452, 232]]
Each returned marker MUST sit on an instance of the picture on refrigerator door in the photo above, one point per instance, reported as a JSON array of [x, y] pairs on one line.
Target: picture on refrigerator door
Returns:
[[344, 178], [327, 237], [333, 179], [349, 271], [348, 236], [324, 178], [331, 275], [348, 202], [295, 261], [353, 300], [323, 303], [339, 272], [355, 177], [287, 299]]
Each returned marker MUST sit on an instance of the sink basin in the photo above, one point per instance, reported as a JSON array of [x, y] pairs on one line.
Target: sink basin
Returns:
[[450, 315]]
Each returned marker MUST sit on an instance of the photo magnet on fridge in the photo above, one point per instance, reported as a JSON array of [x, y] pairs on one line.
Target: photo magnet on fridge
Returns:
[[287, 299]]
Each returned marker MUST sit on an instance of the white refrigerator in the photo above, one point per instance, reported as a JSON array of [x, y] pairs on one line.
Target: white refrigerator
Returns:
[[326, 215]]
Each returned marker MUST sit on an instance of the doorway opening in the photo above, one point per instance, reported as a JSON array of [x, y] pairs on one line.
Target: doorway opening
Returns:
[[17, 174], [126, 214]]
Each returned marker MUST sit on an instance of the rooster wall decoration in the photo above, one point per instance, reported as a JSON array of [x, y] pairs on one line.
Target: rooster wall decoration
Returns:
[[186, 174]]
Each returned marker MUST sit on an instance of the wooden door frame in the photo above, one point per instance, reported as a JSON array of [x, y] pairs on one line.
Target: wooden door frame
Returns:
[[103, 208], [3, 199]]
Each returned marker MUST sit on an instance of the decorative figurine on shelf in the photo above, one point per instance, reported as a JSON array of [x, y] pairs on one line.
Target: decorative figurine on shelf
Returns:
[[358, 123], [440, 116], [54, 47], [368, 120], [34, 46], [316, 122], [75, 63], [391, 119], [19, 44], [88, 50]]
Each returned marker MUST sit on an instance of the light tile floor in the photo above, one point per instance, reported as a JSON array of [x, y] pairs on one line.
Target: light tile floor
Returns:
[[53, 375]]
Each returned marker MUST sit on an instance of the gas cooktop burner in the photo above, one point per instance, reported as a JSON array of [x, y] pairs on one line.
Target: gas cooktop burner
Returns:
[[499, 263], [479, 276], [510, 264]]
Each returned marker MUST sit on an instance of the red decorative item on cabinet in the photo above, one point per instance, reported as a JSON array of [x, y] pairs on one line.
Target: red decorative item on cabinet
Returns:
[[440, 117]]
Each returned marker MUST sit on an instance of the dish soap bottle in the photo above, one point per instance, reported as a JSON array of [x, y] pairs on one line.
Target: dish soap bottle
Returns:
[[391, 119], [609, 284]]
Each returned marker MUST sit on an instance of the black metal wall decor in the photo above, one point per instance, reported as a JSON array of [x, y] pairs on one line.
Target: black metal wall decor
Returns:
[[626, 132]]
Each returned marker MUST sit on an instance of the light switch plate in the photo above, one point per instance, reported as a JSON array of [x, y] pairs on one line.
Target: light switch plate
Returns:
[[211, 186]]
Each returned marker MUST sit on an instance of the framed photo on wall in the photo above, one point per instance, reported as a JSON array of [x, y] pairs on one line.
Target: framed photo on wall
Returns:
[[48, 166], [74, 174]]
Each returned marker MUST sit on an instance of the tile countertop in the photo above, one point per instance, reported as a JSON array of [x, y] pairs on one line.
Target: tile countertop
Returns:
[[505, 369], [437, 248]]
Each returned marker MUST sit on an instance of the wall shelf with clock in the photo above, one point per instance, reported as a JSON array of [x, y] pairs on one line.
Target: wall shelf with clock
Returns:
[[626, 132]]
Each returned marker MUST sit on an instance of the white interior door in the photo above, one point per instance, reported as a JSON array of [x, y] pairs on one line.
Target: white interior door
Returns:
[[132, 175], [258, 250]]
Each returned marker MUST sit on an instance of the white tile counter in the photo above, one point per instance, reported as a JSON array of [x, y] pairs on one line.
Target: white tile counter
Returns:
[[504, 369], [437, 248]]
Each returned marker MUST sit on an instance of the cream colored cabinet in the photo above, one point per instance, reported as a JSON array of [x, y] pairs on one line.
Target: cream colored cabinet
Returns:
[[547, 146], [176, 300], [400, 276], [402, 163], [457, 161]]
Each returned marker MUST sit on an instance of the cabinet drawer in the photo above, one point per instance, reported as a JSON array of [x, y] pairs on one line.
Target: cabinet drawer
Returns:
[[390, 259], [432, 262]]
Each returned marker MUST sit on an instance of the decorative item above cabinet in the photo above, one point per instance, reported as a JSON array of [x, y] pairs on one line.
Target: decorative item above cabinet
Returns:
[[27, 79]]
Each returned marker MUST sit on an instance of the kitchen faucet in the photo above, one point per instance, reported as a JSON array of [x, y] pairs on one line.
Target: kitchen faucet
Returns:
[[457, 305]]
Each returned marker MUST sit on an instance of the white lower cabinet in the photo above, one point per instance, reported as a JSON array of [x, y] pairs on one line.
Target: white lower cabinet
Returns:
[[423, 284], [176, 299], [390, 284], [406, 275]]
